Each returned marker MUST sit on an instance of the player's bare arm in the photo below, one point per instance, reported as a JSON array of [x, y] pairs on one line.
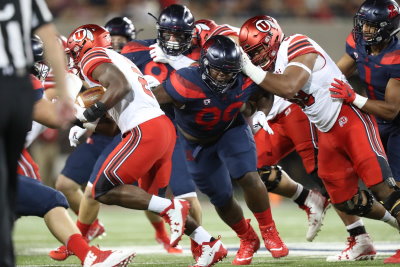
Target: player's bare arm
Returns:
[[389, 108], [163, 97], [347, 65], [292, 79], [44, 112], [111, 78]]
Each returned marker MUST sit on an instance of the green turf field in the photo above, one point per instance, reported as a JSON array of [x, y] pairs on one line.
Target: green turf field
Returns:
[[126, 228]]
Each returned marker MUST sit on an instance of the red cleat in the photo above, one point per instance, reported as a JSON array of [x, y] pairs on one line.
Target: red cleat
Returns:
[[96, 229], [164, 240], [273, 242], [393, 259], [196, 249], [249, 244], [60, 254]]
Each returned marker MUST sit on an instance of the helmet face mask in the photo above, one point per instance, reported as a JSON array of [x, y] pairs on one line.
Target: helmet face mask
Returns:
[[85, 38], [220, 63], [175, 27], [260, 37], [376, 22], [39, 68]]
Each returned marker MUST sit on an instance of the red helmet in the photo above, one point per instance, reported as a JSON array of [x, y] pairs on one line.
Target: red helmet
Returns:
[[85, 38], [203, 29], [260, 37]]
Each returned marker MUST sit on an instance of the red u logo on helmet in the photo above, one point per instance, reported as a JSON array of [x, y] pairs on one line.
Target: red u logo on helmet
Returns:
[[263, 25]]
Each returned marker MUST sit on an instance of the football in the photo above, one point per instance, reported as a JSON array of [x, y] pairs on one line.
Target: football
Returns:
[[90, 96]]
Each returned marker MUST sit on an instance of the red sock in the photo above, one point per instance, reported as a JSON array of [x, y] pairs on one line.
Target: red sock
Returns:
[[264, 218], [78, 245], [159, 227], [240, 227], [84, 228]]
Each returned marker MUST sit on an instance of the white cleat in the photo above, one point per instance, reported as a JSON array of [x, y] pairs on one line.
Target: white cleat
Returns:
[[315, 206], [358, 248], [176, 215], [107, 258], [211, 253]]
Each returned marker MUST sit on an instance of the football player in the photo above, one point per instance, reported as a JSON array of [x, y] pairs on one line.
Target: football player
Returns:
[[220, 147], [36, 199], [348, 139], [158, 58], [144, 154]]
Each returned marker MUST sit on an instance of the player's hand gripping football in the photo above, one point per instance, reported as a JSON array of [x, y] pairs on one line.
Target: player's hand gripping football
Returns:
[[342, 90]]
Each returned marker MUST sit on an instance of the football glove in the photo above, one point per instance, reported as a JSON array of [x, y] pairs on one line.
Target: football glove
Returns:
[[75, 133], [259, 121]]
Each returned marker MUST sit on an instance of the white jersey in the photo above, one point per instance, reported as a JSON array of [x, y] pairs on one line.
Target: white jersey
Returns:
[[137, 106], [314, 98], [279, 105]]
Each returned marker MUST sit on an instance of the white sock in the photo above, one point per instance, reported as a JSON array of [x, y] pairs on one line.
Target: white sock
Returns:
[[200, 235], [298, 191], [158, 204], [355, 224], [389, 219]]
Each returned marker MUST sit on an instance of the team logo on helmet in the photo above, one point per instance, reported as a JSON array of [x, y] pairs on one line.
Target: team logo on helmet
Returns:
[[393, 11], [81, 34], [263, 25]]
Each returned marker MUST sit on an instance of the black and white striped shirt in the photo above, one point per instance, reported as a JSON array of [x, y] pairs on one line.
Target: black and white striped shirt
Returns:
[[18, 20]]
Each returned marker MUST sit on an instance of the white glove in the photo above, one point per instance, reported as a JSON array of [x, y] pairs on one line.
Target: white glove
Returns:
[[157, 54], [259, 120], [74, 134], [255, 73], [79, 112], [177, 62], [151, 81]]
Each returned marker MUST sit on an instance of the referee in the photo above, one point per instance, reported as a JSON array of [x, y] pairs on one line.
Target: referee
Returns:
[[17, 24]]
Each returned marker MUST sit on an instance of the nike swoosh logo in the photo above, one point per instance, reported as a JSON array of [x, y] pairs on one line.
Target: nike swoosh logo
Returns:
[[239, 95], [277, 249]]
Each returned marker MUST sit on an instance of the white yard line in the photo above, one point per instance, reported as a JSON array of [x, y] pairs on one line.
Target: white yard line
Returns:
[[311, 249]]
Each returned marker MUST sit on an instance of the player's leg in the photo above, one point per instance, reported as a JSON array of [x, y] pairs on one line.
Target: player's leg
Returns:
[[78, 168], [272, 148], [357, 140], [237, 150], [36, 199]]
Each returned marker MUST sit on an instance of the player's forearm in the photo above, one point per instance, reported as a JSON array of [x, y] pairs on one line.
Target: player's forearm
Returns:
[[280, 84], [55, 56], [381, 109]]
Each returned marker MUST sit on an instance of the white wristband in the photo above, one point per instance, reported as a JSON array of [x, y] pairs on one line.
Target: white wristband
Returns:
[[360, 101], [256, 74]]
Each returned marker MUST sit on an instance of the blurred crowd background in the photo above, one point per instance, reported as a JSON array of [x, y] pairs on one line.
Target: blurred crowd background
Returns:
[[326, 21]]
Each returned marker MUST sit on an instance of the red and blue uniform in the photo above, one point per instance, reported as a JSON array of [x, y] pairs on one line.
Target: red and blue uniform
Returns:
[[137, 51], [375, 72], [230, 151]]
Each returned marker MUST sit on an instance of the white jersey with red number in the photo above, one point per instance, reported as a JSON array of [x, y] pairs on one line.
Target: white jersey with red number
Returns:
[[314, 97], [279, 105], [137, 106]]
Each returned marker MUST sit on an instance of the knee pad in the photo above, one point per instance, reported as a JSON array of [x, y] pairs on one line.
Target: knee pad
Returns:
[[355, 205], [265, 173], [392, 203]]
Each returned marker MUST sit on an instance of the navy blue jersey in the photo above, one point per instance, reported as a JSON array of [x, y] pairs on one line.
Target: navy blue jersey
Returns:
[[375, 70], [206, 113], [138, 51]]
